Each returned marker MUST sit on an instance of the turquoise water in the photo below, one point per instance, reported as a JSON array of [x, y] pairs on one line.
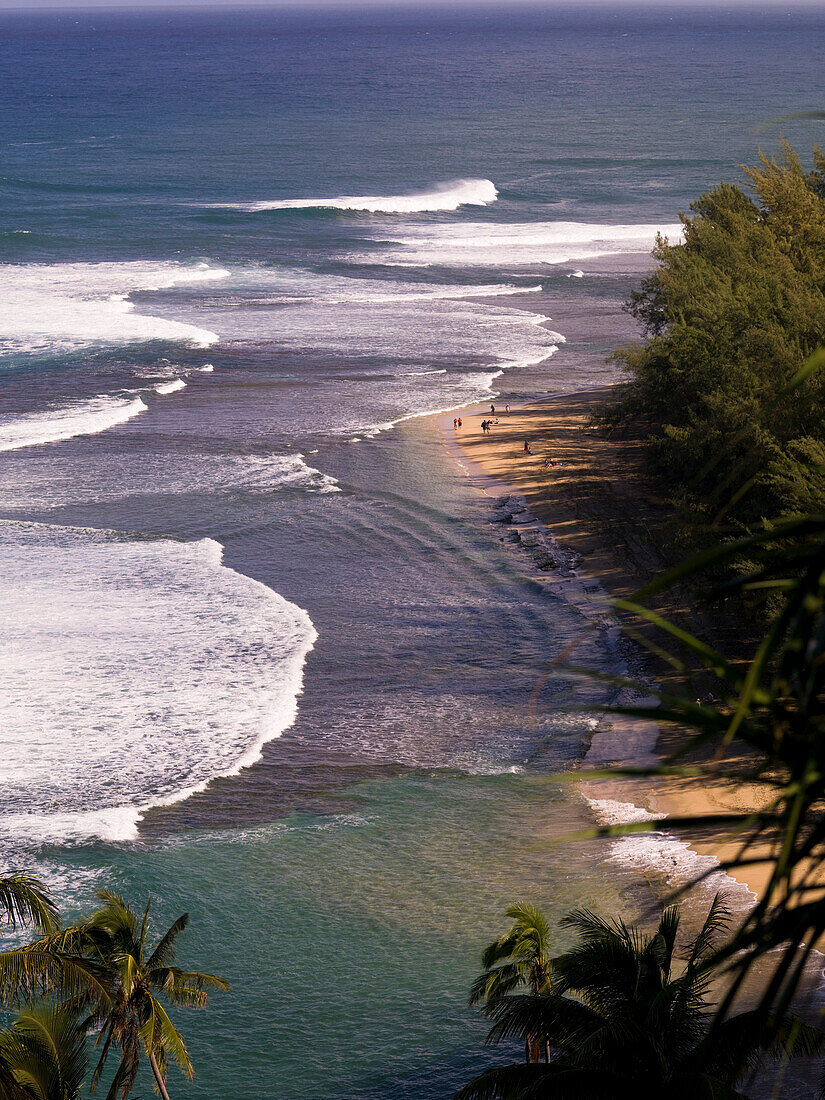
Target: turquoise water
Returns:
[[267, 655], [359, 933]]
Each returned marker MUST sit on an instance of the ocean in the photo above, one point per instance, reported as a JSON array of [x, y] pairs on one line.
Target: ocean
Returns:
[[265, 654]]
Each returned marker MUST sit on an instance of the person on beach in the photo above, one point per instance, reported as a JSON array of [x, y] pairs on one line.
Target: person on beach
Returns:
[[527, 450], [493, 409], [507, 409], [455, 422], [459, 422]]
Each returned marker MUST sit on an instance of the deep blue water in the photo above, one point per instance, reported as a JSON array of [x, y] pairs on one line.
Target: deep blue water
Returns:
[[240, 256]]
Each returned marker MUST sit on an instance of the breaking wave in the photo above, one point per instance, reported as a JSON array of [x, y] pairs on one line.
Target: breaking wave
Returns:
[[484, 244], [88, 417], [441, 197], [183, 673], [54, 308]]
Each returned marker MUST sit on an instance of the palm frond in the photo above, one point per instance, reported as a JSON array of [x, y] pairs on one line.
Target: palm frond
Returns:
[[164, 951], [45, 1047], [25, 900], [28, 972], [160, 1036]]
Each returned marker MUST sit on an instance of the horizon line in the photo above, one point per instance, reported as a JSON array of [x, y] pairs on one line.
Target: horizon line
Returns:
[[447, 7]]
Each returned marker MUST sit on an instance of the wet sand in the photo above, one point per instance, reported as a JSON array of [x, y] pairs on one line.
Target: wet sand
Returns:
[[599, 504]]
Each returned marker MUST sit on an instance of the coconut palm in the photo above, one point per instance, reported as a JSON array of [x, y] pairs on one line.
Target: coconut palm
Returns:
[[43, 1053], [136, 977], [519, 958], [619, 1021]]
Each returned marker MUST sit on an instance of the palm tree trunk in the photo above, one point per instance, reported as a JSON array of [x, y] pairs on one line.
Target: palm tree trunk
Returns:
[[158, 1078]]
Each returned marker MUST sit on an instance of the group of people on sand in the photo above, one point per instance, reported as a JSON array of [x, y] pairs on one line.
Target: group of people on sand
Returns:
[[528, 450], [456, 421], [486, 425]]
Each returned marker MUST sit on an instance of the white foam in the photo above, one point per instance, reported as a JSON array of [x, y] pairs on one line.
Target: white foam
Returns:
[[168, 473], [134, 672], [441, 197], [96, 414], [207, 368], [610, 812], [482, 385], [534, 361], [48, 308], [664, 857], [504, 245], [392, 320], [496, 290], [575, 275], [170, 387]]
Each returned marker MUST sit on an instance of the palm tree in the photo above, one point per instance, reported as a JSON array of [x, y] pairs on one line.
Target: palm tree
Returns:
[[131, 1016], [44, 1054], [520, 957], [619, 1022]]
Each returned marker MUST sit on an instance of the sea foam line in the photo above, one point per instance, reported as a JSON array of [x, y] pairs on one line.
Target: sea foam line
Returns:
[[485, 381], [164, 388], [441, 197], [97, 414]]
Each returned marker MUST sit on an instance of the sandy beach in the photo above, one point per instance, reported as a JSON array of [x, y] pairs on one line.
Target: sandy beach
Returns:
[[598, 503]]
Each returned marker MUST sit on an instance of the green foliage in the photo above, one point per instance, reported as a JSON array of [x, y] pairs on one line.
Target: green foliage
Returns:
[[731, 316], [521, 957], [100, 975], [775, 706], [627, 1014], [45, 1052], [25, 900]]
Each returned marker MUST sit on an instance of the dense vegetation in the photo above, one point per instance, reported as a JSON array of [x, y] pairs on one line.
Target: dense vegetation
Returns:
[[731, 316], [617, 1016], [100, 978]]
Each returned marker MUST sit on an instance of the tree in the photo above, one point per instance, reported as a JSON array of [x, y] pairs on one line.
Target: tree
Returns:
[[137, 978], [520, 957], [730, 316], [620, 1021], [101, 974]]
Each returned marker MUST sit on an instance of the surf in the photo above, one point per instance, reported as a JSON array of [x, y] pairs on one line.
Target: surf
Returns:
[[441, 197], [185, 670], [96, 414], [54, 308], [524, 244]]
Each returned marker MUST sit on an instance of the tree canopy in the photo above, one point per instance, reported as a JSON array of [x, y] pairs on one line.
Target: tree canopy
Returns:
[[731, 315]]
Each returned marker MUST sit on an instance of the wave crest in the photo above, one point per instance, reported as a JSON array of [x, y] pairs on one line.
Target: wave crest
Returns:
[[441, 197], [89, 417]]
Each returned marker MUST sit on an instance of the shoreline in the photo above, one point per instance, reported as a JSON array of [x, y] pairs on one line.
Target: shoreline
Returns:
[[598, 506]]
